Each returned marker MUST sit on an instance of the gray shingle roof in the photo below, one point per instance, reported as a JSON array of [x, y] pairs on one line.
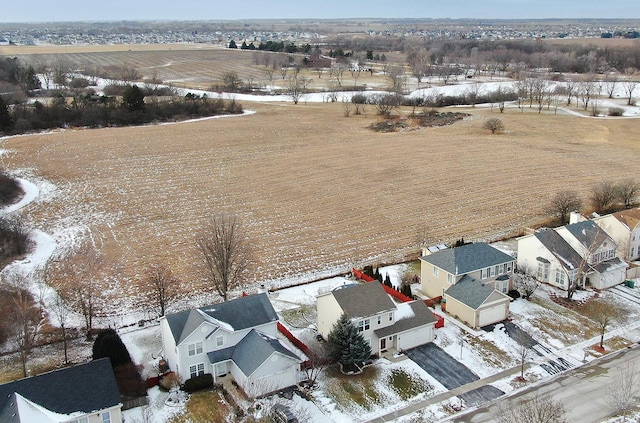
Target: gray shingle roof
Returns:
[[588, 233], [566, 255], [363, 300], [240, 313], [84, 388], [421, 316], [467, 258], [470, 291], [253, 350]]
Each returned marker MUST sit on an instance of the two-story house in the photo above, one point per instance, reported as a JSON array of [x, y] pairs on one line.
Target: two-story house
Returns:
[[624, 228], [473, 280], [384, 324], [579, 250], [85, 393], [237, 337]]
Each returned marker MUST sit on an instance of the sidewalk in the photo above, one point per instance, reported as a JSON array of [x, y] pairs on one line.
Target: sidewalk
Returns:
[[633, 332], [443, 396]]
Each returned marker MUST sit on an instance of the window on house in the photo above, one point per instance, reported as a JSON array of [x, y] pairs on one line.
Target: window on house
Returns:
[[492, 271], [379, 320], [509, 267], [436, 271], [367, 324], [543, 271], [196, 370], [106, 417], [360, 326], [559, 278], [391, 316], [501, 269], [219, 341], [195, 349], [502, 286], [484, 273], [449, 278]]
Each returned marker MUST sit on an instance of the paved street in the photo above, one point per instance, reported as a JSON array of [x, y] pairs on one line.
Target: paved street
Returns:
[[581, 390]]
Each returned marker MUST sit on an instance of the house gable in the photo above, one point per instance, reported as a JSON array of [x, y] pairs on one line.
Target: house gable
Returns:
[[238, 314], [471, 292], [363, 300], [409, 316]]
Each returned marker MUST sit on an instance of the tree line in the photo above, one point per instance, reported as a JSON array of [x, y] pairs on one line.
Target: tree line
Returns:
[[87, 109]]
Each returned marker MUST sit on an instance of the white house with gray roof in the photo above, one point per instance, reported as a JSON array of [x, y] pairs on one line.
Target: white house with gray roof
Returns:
[[555, 256], [237, 337], [387, 326], [473, 280]]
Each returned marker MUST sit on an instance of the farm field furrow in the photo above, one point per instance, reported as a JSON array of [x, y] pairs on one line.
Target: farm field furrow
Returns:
[[316, 191]]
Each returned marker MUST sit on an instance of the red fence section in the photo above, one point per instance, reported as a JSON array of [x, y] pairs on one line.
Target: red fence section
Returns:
[[400, 296]]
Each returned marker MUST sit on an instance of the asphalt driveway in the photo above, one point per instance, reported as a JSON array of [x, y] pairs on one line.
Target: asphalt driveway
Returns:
[[444, 368], [451, 373]]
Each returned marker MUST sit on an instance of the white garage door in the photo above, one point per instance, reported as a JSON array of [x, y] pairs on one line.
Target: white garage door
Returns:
[[491, 315]]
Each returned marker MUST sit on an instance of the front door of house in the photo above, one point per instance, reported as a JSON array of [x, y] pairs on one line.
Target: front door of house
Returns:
[[383, 344]]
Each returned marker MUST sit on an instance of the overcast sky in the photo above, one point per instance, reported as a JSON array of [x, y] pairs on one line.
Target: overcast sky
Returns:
[[108, 10]]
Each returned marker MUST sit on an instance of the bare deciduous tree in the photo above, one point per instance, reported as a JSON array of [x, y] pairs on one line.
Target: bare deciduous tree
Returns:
[[629, 88], [525, 282], [160, 287], [603, 196], [27, 317], [80, 276], [622, 390], [225, 251], [627, 191], [495, 125], [603, 314], [563, 203], [59, 308], [534, 409]]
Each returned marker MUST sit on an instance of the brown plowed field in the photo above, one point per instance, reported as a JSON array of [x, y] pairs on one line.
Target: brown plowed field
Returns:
[[316, 191]]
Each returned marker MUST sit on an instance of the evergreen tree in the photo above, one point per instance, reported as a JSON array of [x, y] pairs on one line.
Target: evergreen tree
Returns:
[[347, 345], [6, 122], [377, 275], [387, 281], [406, 290], [244, 46], [133, 98], [109, 344], [232, 44]]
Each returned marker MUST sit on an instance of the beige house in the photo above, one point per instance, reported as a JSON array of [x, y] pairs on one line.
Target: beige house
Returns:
[[476, 304], [473, 280], [444, 268], [384, 324]]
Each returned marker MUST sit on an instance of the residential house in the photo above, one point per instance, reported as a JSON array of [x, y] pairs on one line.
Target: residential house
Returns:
[[578, 250], [86, 393], [384, 324], [624, 228], [473, 280], [237, 337]]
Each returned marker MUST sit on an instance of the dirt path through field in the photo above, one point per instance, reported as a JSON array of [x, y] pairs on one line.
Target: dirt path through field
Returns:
[[316, 191]]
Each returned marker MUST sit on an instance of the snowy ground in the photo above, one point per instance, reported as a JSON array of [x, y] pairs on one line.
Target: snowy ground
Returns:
[[144, 343]]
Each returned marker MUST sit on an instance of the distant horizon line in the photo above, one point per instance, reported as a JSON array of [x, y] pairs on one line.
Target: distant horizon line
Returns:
[[309, 19]]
